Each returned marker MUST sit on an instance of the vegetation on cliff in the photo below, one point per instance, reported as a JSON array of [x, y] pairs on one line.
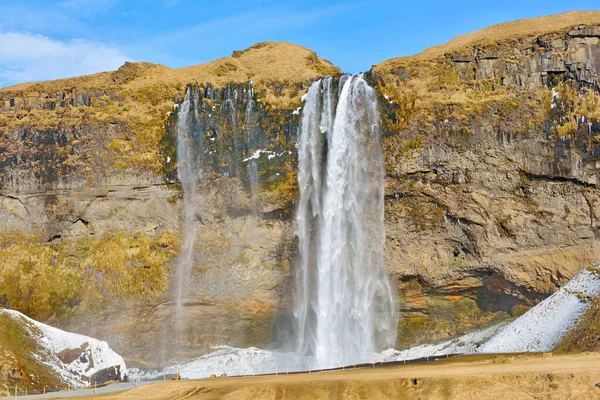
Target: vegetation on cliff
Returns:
[[138, 97], [51, 281]]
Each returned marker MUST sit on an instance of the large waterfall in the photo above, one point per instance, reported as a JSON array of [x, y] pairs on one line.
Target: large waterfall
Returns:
[[345, 306]]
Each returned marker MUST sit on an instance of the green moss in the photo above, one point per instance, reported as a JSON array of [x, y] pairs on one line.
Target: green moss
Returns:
[[54, 280], [518, 309], [20, 352]]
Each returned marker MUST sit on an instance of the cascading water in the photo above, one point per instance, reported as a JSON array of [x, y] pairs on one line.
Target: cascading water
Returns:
[[188, 170], [252, 165], [345, 306]]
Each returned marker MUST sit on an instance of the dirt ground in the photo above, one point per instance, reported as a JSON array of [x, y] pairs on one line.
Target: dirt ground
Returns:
[[540, 376]]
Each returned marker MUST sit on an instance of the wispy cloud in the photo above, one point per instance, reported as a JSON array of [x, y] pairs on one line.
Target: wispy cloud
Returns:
[[29, 57], [63, 18], [260, 20]]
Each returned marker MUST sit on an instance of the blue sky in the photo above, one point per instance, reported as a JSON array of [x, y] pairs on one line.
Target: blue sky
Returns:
[[41, 39]]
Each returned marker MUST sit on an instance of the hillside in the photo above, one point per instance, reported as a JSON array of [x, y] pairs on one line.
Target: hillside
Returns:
[[35, 355], [138, 96], [267, 62]]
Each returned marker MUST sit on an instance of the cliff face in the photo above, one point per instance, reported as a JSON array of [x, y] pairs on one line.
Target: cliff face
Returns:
[[492, 171], [491, 193]]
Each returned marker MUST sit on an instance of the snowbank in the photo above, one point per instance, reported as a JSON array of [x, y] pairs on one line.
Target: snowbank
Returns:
[[542, 327]]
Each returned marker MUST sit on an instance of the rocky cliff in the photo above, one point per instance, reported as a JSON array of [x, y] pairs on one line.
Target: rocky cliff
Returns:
[[491, 195]]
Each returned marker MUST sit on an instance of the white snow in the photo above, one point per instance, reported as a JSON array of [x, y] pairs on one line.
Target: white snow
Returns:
[[465, 344], [542, 327], [254, 156], [270, 154], [252, 361], [555, 96], [231, 361], [96, 354]]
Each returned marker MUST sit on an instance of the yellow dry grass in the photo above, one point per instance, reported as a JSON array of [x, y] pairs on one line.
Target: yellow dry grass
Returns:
[[267, 61], [514, 30]]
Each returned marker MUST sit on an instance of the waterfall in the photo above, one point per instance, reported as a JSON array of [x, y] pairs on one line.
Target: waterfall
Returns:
[[252, 165], [344, 303], [188, 169]]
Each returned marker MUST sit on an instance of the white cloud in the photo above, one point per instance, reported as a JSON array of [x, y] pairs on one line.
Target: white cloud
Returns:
[[26, 57]]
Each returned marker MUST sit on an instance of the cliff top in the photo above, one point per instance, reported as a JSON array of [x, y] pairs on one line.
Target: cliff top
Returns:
[[514, 30], [266, 61]]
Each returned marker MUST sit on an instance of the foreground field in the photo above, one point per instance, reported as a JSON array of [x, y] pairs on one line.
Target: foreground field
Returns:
[[468, 377]]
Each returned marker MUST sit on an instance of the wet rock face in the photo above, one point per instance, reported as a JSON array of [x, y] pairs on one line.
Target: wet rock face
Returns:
[[498, 202]]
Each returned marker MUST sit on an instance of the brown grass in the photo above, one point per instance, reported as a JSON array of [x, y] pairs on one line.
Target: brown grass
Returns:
[[585, 336], [468, 377], [267, 61], [514, 30], [143, 94]]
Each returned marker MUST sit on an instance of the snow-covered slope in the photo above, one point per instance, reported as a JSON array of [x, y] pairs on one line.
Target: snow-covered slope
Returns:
[[542, 327], [75, 358]]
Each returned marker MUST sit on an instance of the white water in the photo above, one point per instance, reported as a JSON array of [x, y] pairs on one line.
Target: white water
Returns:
[[252, 163], [310, 148], [345, 307], [188, 170]]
